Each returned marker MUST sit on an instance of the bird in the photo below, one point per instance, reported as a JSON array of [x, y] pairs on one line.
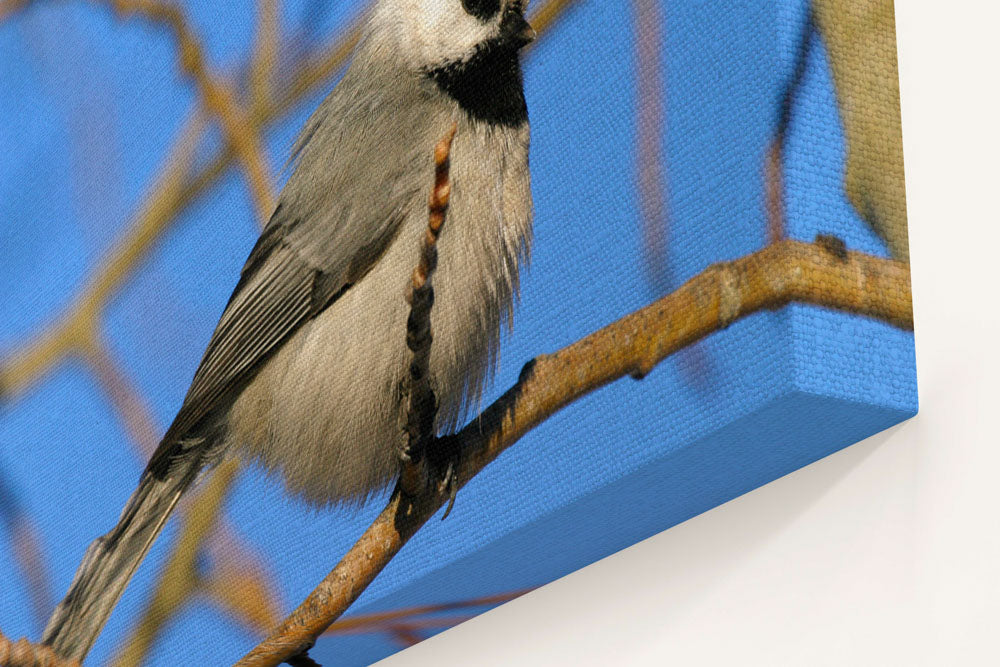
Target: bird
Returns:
[[305, 372]]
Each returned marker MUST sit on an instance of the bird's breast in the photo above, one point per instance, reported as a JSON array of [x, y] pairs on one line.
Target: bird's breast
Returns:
[[326, 410]]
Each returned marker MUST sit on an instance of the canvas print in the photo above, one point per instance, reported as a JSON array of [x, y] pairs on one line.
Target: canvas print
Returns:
[[328, 326]]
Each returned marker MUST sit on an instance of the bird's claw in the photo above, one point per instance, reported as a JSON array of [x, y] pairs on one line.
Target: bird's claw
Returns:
[[444, 458], [449, 485]]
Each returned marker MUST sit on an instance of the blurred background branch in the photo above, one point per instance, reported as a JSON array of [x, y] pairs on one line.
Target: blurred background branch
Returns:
[[860, 36], [413, 618], [651, 171], [25, 540], [774, 178], [650, 116], [265, 54], [216, 96]]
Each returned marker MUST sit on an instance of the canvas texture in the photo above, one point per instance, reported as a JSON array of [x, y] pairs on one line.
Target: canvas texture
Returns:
[[671, 142]]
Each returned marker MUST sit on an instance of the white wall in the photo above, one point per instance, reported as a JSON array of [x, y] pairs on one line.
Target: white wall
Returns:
[[887, 553]]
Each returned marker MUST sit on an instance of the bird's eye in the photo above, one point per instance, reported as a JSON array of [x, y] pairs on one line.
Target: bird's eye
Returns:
[[481, 9]]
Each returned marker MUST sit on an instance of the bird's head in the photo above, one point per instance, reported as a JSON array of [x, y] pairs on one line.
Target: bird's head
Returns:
[[431, 34]]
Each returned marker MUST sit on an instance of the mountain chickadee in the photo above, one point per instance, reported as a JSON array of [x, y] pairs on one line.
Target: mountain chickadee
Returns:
[[304, 372]]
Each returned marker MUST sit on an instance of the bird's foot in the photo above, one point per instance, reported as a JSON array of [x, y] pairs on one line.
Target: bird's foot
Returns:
[[430, 467], [445, 459]]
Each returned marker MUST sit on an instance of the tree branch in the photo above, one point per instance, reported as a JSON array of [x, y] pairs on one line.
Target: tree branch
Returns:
[[27, 553], [861, 41], [265, 52], [774, 180], [373, 622], [821, 274], [24, 654], [215, 94], [422, 408]]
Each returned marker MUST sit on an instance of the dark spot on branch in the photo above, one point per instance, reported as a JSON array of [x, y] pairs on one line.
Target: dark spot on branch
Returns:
[[527, 370], [834, 245]]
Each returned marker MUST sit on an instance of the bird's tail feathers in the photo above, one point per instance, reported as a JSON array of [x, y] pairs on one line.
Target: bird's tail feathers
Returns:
[[112, 559]]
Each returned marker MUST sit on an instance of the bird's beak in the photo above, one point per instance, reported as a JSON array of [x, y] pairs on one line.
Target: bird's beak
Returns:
[[517, 30]]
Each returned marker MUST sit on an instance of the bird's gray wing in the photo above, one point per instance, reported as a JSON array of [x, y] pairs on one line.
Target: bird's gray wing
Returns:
[[361, 165], [278, 291]]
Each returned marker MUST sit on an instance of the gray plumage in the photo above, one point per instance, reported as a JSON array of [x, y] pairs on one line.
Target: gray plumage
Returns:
[[305, 370]]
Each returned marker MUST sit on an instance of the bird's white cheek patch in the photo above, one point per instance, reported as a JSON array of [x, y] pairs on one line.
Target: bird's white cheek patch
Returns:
[[444, 32]]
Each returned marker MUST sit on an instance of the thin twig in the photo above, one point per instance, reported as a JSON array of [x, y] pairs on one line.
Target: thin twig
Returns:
[[363, 622], [785, 272], [650, 118], [215, 95], [774, 179], [774, 188], [265, 52], [27, 551], [549, 13], [651, 172], [422, 407], [126, 400]]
